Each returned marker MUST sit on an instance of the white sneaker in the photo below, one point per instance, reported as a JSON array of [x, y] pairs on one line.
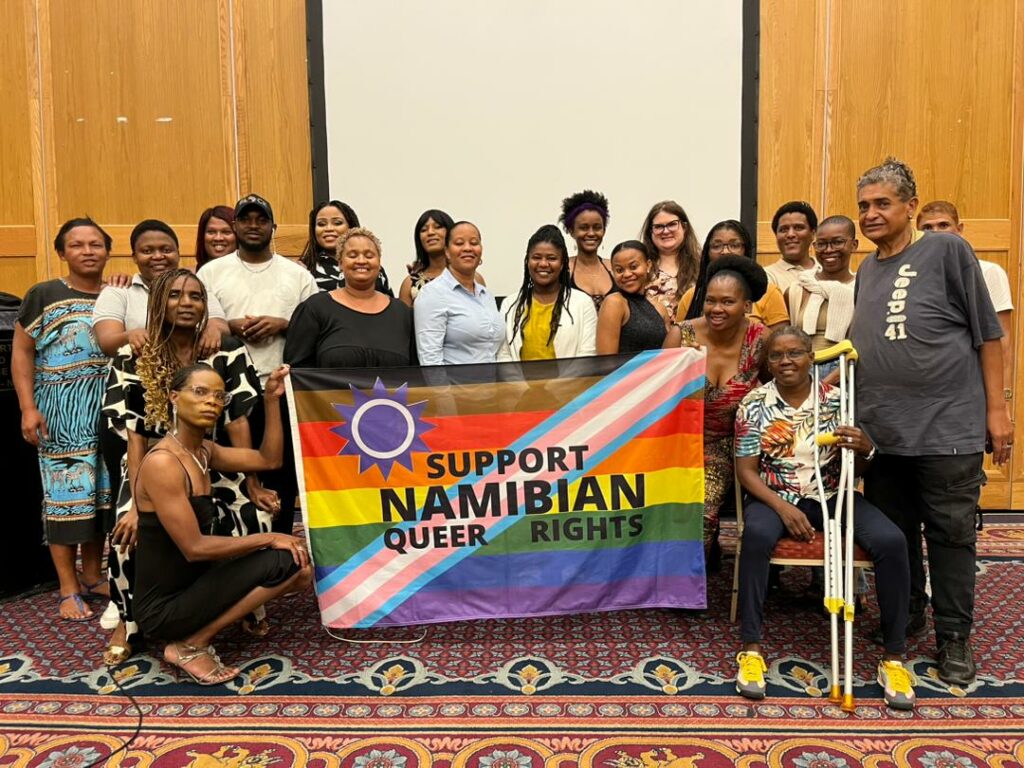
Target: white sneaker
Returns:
[[110, 617]]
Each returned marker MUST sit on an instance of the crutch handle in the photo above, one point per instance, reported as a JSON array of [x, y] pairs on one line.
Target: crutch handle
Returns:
[[834, 352], [826, 438]]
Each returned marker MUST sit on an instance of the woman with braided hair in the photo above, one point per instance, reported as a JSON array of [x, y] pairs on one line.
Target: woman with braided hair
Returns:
[[135, 410], [549, 318]]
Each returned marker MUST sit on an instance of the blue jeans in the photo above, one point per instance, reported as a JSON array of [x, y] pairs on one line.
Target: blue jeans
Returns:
[[872, 530]]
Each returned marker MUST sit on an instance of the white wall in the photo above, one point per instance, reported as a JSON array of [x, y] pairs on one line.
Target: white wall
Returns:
[[494, 110]]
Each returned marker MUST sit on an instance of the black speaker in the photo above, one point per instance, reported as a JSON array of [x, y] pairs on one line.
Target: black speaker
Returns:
[[27, 560]]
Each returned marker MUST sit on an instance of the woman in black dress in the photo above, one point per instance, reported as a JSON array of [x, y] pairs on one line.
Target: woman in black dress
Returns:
[[133, 419], [355, 325], [190, 582], [630, 320]]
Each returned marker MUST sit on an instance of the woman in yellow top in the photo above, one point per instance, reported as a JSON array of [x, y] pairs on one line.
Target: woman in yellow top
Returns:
[[549, 319], [731, 237]]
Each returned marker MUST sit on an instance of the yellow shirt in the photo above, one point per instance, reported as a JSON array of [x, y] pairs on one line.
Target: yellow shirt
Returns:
[[536, 331], [769, 310]]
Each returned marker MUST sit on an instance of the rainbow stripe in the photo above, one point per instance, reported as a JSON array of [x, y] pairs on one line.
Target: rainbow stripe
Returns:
[[640, 419]]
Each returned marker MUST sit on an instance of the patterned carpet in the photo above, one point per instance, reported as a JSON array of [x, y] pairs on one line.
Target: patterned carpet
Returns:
[[641, 689]]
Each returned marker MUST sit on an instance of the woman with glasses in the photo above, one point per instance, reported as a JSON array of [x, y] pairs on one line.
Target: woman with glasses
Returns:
[[821, 303], [775, 447], [734, 351], [726, 238], [135, 411], [668, 235], [192, 581]]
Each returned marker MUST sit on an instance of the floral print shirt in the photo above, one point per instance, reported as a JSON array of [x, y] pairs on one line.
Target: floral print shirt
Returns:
[[783, 437], [663, 288]]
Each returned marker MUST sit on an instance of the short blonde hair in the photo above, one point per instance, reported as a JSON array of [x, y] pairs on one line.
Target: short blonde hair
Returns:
[[357, 232]]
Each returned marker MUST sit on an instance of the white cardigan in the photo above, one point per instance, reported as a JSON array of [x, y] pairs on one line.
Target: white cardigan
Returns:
[[576, 335]]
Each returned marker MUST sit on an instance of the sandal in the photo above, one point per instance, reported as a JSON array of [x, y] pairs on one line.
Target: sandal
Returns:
[[216, 676], [118, 651], [255, 627], [79, 604], [91, 591], [116, 655]]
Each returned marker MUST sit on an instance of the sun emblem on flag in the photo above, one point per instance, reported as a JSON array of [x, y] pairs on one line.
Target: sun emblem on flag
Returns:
[[382, 429]]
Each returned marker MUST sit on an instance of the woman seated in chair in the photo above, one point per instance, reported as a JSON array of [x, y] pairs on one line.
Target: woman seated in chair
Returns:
[[189, 583], [775, 444]]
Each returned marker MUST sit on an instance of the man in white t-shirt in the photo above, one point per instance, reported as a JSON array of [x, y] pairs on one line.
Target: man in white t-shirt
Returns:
[[259, 290], [942, 216], [794, 225]]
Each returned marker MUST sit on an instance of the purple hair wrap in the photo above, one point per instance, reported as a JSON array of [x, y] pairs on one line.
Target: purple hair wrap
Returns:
[[570, 220]]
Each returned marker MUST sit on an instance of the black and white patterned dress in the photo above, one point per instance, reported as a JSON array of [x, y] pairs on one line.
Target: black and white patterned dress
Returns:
[[328, 275], [124, 411]]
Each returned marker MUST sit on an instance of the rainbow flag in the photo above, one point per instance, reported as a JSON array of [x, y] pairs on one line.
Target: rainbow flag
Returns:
[[517, 489]]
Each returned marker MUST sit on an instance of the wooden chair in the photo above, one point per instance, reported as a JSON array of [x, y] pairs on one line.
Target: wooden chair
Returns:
[[787, 552]]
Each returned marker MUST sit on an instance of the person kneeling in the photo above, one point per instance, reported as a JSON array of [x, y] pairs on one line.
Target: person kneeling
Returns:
[[189, 584], [775, 444]]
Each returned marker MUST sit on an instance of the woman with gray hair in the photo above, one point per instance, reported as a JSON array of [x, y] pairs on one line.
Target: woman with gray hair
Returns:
[[930, 398]]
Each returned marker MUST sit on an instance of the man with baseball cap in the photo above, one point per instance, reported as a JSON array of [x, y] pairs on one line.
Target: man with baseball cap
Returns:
[[259, 290]]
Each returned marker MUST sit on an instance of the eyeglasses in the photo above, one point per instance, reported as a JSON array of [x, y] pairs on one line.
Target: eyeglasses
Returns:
[[835, 244], [203, 393], [668, 226], [733, 246], [790, 354]]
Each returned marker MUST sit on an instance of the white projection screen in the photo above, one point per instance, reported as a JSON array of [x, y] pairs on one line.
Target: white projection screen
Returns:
[[495, 110]]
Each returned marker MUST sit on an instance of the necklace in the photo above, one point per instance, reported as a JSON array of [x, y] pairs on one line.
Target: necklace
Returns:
[[203, 466], [264, 268]]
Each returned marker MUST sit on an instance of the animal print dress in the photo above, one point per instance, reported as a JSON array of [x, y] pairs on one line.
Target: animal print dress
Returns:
[[70, 372], [124, 410]]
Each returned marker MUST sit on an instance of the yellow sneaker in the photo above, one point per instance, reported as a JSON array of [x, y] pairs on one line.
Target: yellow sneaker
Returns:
[[897, 684], [750, 679]]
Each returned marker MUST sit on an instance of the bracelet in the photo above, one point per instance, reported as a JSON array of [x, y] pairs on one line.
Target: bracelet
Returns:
[[871, 454]]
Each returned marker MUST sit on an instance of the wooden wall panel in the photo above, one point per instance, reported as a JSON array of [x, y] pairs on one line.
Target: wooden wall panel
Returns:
[[127, 110], [137, 100], [273, 109], [17, 214], [15, 127], [928, 81], [792, 101], [938, 83]]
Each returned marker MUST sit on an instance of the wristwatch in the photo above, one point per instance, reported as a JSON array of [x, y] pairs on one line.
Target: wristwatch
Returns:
[[871, 454]]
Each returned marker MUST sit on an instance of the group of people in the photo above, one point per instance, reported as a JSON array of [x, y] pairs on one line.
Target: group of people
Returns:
[[186, 369]]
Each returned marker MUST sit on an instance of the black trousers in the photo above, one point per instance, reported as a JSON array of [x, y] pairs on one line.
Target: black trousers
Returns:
[[872, 530], [282, 480], [941, 494]]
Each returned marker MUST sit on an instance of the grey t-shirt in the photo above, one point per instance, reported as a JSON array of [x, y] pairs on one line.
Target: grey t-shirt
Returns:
[[920, 318]]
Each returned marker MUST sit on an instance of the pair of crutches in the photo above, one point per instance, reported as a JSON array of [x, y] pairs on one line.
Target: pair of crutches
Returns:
[[839, 585]]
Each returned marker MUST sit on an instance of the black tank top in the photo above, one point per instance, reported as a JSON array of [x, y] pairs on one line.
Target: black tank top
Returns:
[[645, 329], [161, 570], [597, 298]]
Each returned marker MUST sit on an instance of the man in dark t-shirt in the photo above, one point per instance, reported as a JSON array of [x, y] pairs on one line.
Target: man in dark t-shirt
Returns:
[[929, 395]]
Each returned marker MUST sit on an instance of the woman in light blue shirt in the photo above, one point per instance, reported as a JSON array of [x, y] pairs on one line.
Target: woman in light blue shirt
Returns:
[[457, 319]]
